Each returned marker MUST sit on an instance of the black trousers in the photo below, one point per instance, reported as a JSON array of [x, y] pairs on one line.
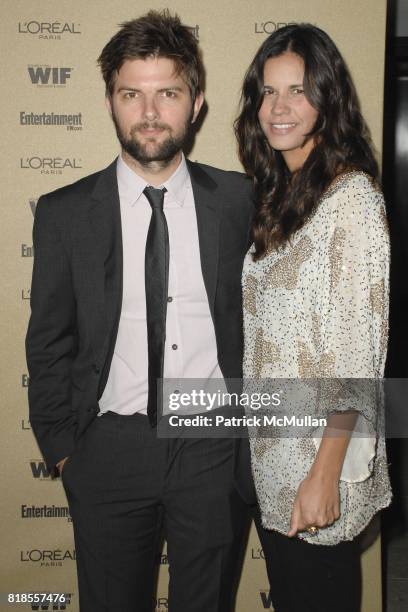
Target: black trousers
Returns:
[[126, 488], [307, 577]]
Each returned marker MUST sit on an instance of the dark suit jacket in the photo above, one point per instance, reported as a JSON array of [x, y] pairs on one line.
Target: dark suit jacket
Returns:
[[76, 293]]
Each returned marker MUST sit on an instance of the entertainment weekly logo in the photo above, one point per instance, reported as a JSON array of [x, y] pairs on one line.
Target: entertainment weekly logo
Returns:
[[49, 30], [43, 75], [27, 250], [30, 511], [50, 165], [71, 122], [162, 559]]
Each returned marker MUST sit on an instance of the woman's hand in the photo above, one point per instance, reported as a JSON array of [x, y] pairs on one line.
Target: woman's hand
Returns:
[[317, 503]]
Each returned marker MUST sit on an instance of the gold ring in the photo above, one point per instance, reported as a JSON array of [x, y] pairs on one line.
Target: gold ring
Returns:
[[312, 530]]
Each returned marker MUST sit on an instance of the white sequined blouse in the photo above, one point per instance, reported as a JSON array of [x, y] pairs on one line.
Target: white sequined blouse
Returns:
[[318, 308]]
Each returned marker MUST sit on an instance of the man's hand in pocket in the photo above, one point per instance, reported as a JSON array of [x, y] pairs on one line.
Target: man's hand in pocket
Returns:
[[60, 465]]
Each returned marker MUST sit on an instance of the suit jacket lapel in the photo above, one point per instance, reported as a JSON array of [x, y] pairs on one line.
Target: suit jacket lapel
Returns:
[[208, 211], [105, 221]]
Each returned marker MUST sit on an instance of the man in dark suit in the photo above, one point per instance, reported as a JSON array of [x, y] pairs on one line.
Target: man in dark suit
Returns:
[[137, 278]]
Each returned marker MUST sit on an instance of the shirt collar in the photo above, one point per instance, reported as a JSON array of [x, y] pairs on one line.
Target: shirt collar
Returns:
[[131, 185]]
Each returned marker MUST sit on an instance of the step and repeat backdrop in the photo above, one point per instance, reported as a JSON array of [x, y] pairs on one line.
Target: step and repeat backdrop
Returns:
[[55, 130]]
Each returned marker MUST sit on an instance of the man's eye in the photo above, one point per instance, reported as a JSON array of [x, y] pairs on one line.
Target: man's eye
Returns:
[[130, 94], [298, 90], [169, 94]]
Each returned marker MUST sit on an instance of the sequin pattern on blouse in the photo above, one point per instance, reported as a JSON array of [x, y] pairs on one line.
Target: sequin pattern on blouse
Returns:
[[318, 308]]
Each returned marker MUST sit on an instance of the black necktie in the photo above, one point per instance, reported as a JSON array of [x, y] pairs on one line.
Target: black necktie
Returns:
[[156, 284]]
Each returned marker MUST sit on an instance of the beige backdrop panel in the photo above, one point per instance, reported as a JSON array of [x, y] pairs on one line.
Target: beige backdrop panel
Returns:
[[37, 551]]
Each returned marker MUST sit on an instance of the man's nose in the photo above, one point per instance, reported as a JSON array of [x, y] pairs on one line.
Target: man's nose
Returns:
[[150, 110]]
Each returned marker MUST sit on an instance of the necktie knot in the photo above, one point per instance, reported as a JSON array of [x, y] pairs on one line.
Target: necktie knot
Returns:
[[155, 196]]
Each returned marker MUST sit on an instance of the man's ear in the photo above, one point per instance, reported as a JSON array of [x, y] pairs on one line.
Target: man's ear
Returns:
[[198, 102], [108, 103]]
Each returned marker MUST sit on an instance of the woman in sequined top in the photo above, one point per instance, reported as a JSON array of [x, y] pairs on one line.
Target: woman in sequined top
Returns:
[[315, 287]]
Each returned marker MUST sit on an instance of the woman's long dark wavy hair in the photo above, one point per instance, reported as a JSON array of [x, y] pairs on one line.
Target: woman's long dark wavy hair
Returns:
[[284, 201]]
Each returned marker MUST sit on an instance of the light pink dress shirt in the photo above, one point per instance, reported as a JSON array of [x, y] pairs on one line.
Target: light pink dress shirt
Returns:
[[190, 350]]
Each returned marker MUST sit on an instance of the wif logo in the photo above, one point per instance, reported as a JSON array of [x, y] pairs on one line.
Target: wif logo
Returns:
[[266, 600], [60, 605], [39, 470], [48, 76]]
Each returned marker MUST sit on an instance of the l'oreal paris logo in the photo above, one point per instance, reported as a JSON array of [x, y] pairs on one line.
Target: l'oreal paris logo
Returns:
[[48, 29], [268, 27], [50, 165], [194, 30]]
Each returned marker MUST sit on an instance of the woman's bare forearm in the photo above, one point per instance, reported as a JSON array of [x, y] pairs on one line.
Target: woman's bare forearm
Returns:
[[333, 447]]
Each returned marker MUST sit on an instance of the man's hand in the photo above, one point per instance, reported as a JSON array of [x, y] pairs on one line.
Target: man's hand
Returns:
[[317, 504], [60, 465]]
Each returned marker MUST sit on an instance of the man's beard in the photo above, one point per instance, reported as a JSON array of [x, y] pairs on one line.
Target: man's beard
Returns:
[[163, 152]]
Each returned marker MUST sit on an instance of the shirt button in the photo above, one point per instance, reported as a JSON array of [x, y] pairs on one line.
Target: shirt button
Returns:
[[169, 299], [174, 347]]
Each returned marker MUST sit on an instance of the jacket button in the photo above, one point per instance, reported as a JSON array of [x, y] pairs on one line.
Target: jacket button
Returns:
[[96, 368]]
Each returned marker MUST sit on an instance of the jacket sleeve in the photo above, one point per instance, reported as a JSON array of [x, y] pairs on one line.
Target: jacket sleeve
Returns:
[[51, 340]]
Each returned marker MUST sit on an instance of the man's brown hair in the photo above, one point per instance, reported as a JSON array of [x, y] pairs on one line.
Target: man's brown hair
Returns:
[[156, 34]]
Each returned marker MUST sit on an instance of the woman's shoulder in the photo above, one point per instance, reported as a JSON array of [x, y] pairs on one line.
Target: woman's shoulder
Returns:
[[356, 211], [353, 182], [355, 197]]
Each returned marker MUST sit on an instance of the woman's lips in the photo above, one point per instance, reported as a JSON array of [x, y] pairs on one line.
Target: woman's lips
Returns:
[[282, 128]]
